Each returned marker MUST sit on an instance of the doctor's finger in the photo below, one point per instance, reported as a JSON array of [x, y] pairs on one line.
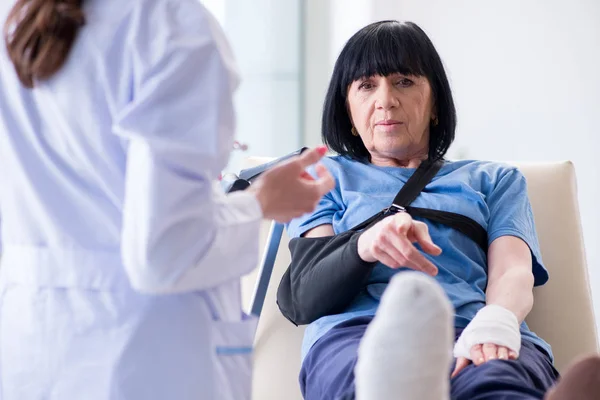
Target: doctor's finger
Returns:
[[310, 157], [325, 182], [307, 176]]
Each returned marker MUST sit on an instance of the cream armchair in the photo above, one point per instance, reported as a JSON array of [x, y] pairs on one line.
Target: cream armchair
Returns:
[[562, 313]]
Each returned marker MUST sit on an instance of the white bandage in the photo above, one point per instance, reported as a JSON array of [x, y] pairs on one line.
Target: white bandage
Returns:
[[492, 324], [406, 351]]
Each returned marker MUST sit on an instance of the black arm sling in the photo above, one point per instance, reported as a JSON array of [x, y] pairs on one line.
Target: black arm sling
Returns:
[[326, 273]]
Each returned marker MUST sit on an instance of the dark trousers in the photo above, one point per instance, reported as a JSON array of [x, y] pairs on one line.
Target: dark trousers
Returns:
[[328, 370]]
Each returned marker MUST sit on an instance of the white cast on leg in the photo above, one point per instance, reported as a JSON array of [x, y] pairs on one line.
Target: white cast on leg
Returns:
[[406, 353]]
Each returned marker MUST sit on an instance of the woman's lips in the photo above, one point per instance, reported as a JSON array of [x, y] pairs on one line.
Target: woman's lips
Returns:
[[388, 125], [388, 122]]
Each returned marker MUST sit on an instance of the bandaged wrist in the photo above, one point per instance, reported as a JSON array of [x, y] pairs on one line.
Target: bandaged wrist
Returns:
[[492, 324]]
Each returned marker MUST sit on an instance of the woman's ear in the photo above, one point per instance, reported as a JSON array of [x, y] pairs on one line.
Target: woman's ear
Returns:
[[434, 115]]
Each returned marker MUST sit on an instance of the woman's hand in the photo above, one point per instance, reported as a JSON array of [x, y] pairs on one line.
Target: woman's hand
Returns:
[[287, 191], [482, 353], [390, 241]]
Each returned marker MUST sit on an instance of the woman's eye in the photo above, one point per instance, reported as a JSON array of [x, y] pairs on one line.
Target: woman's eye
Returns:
[[365, 86], [405, 82]]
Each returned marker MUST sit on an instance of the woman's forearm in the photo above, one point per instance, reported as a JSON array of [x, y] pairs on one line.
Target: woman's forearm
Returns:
[[510, 277], [513, 291]]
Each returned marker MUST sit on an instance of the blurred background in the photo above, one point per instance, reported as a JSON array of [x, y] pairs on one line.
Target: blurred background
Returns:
[[525, 76]]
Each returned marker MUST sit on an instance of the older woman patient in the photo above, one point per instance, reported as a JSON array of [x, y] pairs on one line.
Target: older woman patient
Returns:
[[389, 108]]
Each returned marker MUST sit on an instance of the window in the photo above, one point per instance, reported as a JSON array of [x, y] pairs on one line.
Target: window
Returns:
[[266, 39]]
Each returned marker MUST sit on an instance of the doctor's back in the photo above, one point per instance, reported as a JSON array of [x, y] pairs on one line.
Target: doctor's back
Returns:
[[99, 164]]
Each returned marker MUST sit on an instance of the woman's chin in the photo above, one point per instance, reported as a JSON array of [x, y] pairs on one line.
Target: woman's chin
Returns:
[[393, 145]]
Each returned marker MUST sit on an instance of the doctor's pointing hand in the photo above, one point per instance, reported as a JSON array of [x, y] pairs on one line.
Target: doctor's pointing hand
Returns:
[[287, 191]]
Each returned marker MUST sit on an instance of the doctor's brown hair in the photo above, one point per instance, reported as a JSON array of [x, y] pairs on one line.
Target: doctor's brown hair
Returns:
[[39, 35]]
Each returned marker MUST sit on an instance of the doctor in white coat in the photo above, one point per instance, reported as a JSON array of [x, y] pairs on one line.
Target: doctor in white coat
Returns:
[[121, 262]]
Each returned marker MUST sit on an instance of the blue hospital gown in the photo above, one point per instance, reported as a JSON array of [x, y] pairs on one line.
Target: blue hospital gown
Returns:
[[492, 194]]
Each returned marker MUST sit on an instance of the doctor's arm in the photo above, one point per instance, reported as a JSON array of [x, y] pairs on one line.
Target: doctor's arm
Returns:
[[180, 233]]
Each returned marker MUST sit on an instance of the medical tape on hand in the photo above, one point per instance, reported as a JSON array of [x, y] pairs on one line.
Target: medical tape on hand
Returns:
[[492, 324]]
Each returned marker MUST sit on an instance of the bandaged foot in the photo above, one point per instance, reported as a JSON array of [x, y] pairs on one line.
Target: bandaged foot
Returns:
[[406, 353], [492, 324]]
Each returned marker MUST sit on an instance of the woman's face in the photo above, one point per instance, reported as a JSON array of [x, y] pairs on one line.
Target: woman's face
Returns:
[[392, 116]]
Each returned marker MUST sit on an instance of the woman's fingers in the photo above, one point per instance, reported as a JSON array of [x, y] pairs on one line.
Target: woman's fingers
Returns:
[[461, 363], [421, 235], [384, 250], [388, 245], [381, 254], [502, 353], [490, 351], [407, 255], [483, 353], [477, 355], [396, 234], [390, 242], [414, 258]]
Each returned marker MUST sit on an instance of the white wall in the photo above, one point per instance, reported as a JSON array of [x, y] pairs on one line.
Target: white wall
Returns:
[[526, 80]]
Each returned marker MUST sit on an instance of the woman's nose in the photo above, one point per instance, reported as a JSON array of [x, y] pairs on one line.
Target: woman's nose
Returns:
[[386, 98]]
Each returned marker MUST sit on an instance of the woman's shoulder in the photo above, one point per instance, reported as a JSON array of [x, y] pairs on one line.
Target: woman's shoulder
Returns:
[[489, 169], [483, 176]]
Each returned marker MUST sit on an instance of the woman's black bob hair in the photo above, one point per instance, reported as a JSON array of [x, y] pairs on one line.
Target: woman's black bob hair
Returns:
[[385, 48]]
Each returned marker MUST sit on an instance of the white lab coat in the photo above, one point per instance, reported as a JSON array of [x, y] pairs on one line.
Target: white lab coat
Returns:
[[121, 261]]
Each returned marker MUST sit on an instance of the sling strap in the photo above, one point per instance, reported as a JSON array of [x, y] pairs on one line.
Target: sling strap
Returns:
[[411, 190]]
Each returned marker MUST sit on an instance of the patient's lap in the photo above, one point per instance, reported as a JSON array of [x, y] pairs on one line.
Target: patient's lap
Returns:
[[328, 370]]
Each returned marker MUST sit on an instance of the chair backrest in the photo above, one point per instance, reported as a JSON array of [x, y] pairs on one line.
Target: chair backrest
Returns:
[[277, 342], [562, 314]]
